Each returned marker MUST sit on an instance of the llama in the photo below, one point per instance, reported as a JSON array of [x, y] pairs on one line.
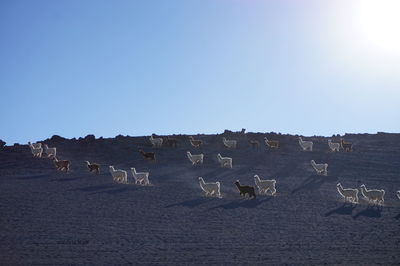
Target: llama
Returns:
[[305, 145], [93, 167], [51, 152], [172, 142], [156, 142], [195, 142], [119, 175], [229, 143], [321, 168], [37, 152], [398, 193], [347, 146], [62, 164], [349, 194], [334, 146], [254, 143], [148, 155], [245, 190], [373, 195], [224, 161], [195, 158], [36, 145], [210, 188], [141, 178], [265, 185], [271, 143]]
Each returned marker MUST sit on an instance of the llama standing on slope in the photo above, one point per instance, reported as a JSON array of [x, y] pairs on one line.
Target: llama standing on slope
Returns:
[[210, 188], [51, 152], [93, 167], [349, 194], [195, 142], [305, 145], [224, 161], [36, 145], [245, 190], [271, 143], [231, 144], [347, 146], [265, 185], [156, 142], [195, 158], [37, 152], [320, 168], [333, 145], [62, 164], [373, 195], [254, 143], [119, 175], [141, 178], [148, 155]]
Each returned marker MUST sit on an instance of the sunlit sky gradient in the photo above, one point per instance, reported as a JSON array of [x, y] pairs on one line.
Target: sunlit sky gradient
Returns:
[[73, 67]]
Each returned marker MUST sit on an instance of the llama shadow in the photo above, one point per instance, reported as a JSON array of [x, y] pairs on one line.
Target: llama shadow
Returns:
[[190, 203], [116, 191], [314, 182], [397, 216], [93, 188], [245, 203], [345, 209], [32, 177], [370, 211], [67, 179]]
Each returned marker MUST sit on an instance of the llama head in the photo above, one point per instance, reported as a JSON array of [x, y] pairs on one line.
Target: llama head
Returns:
[[257, 177], [265, 138], [312, 162], [201, 179], [363, 186], [45, 145], [188, 153], [398, 194], [133, 169], [111, 167], [87, 162], [237, 183], [339, 185]]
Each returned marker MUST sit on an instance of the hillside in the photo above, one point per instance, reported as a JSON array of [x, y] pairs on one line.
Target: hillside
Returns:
[[50, 217]]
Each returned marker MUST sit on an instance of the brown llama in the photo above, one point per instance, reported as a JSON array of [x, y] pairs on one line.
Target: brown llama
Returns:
[[195, 142], [93, 167], [148, 155], [271, 143], [62, 164], [347, 146]]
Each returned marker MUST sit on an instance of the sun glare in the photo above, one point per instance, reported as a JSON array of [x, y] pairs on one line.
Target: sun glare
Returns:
[[380, 23]]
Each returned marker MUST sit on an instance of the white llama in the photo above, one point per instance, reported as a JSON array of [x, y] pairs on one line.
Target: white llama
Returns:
[[36, 145], [37, 152], [305, 145], [156, 142], [320, 168], [224, 161], [195, 158], [119, 175], [373, 195], [333, 145], [265, 185], [229, 143], [349, 194], [141, 178], [210, 188], [51, 152]]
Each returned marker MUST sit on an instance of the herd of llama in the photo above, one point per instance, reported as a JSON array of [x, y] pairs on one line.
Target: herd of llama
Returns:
[[213, 189]]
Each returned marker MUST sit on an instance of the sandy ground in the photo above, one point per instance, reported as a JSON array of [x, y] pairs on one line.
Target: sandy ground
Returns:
[[78, 218]]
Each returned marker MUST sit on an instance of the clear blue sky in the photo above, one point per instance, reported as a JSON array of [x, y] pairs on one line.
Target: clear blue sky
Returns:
[[73, 67]]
